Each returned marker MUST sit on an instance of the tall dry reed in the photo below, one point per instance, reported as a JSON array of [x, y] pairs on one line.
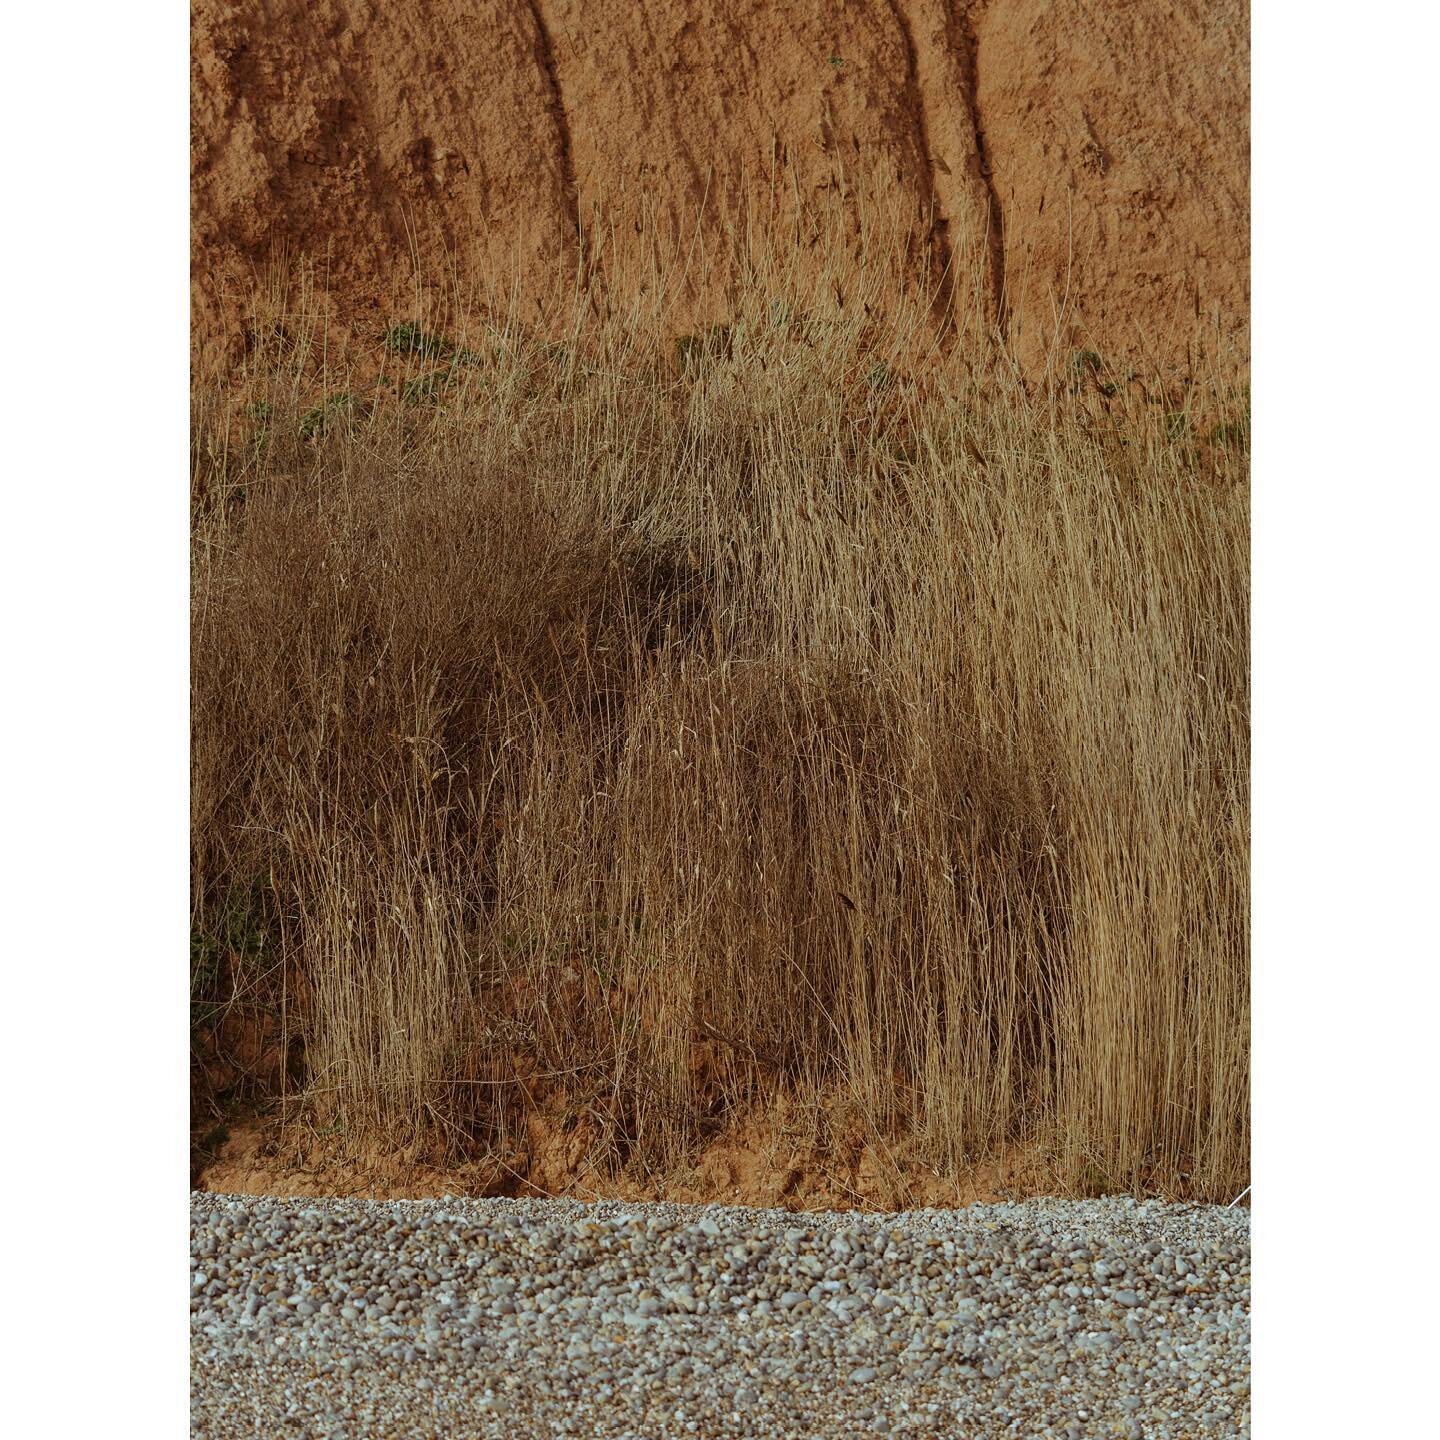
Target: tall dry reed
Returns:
[[800, 689]]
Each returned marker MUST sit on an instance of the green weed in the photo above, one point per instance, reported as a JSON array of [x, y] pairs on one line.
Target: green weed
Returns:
[[410, 339], [333, 410], [239, 934], [427, 389], [213, 1139]]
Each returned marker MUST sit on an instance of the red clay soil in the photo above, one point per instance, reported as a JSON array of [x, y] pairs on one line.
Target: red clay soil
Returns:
[[1090, 162], [768, 1156], [760, 1161]]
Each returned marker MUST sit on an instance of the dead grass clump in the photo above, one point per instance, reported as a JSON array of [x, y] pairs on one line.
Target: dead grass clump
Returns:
[[817, 713]]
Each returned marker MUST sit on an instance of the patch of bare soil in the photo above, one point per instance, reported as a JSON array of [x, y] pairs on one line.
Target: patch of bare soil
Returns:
[[1092, 164], [756, 1161]]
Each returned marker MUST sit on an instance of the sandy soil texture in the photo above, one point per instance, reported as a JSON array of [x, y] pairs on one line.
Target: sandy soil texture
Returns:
[[1089, 164]]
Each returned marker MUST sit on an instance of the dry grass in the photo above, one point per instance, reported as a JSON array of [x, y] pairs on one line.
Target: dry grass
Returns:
[[795, 693]]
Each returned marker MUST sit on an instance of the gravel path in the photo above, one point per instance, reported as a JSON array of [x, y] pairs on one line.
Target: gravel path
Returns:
[[460, 1318]]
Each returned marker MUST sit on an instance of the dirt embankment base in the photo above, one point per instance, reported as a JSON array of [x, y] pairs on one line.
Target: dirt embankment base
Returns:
[[766, 1160]]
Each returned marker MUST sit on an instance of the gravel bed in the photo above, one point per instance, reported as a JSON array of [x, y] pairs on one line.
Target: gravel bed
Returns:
[[393, 1319]]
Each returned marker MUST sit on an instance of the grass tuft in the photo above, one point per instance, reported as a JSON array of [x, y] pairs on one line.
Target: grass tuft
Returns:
[[845, 708]]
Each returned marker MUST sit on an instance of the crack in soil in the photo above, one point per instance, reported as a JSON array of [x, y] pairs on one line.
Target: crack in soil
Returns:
[[967, 45], [545, 52], [939, 223]]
